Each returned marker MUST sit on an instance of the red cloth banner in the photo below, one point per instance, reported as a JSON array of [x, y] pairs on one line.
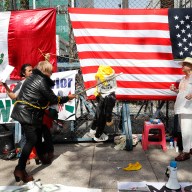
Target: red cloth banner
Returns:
[[24, 33]]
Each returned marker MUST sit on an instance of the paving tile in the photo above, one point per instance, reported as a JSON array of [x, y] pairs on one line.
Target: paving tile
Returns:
[[99, 166], [73, 152], [112, 172], [109, 190], [184, 171], [6, 172], [156, 153], [69, 173], [106, 151]]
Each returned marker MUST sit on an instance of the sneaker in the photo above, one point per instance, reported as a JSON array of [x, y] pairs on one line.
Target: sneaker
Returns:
[[91, 133], [103, 137]]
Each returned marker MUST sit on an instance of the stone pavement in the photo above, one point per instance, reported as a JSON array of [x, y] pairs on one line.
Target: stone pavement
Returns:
[[99, 166]]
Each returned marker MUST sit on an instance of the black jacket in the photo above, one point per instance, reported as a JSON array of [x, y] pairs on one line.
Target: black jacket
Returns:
[[34, 96]]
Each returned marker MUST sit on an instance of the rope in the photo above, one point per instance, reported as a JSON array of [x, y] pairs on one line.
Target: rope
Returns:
[[34, 106]]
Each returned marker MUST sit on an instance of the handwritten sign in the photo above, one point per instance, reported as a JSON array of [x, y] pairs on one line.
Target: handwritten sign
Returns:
[[5, 73]]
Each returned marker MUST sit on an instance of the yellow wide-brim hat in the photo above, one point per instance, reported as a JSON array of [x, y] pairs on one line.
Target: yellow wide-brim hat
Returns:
[[186, 60]]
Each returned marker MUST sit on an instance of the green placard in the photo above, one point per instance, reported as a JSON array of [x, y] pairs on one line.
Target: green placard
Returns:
[[69, 108], [5, 110]]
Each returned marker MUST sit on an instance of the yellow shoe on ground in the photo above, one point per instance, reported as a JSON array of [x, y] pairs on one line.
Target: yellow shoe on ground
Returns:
[[133, 167]]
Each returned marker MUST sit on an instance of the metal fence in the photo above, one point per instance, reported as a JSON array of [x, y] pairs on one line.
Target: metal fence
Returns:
[[140, 110]]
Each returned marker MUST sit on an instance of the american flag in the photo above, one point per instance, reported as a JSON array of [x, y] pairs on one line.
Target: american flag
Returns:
[[181, 32], [136, 42]]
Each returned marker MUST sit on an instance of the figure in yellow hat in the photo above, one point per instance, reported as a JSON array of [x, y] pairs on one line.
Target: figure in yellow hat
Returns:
[[105, 95], [183, 108]]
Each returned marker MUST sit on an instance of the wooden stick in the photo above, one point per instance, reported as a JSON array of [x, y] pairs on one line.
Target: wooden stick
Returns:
[[45, 55], [99, 84], [41, 52], [56, 55]]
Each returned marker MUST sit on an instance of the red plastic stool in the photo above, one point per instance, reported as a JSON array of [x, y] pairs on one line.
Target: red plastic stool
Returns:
[[145, 135]]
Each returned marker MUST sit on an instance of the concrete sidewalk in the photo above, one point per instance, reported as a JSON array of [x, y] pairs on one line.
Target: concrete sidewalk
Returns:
[[99, 166]]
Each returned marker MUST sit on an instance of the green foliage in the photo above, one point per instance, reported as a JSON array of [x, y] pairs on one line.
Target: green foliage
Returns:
[[24, 4], [6, 5]]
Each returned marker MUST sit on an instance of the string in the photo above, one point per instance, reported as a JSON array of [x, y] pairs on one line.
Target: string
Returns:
[[56, 55]]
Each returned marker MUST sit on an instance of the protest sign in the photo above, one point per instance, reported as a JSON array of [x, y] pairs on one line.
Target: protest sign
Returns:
[[64, 85]]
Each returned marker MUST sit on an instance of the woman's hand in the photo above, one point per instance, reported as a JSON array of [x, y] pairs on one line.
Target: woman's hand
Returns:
[[71, 96], [47, 57], [173, 88], [188, 97]]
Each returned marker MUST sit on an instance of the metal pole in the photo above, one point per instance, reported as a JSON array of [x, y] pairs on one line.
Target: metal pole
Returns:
[[34, 4], [125, 4], [72, 3], [14, 4], [72, 48], [167, 114]]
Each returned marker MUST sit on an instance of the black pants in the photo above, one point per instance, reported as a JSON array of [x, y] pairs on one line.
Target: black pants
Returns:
[[103, 113], [48, 141], [177, 133], [33, 134]]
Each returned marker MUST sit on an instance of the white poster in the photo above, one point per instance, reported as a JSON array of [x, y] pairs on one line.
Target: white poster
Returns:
[[65, 85], [5, 72], [6, 106], [11, 84], [152, 186]]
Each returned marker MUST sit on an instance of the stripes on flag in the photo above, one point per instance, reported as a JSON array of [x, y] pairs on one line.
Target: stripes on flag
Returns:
[[135, 42]]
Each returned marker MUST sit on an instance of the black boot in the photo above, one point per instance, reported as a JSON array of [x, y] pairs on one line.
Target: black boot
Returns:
[[22, 175]]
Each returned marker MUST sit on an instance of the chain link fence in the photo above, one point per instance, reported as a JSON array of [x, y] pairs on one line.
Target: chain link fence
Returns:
[[140, 110]]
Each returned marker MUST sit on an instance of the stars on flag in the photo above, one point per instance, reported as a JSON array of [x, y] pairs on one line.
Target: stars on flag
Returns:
[[183, 33]]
